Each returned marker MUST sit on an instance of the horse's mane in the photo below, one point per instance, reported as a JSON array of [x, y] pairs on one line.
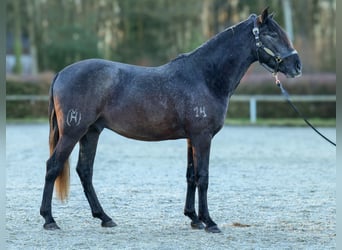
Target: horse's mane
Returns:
[[225, 33]]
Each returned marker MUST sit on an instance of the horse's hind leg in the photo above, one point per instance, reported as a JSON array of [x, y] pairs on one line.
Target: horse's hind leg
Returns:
[[88, 144], [54, 166], [189, 209]]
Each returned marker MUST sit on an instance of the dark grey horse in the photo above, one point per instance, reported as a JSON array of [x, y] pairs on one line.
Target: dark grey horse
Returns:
[[186, 98]]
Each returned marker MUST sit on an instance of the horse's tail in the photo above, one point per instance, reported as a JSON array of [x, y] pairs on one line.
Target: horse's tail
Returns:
[[62, 182]]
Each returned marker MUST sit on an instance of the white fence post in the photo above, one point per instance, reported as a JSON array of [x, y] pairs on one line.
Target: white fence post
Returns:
[[253, 109]]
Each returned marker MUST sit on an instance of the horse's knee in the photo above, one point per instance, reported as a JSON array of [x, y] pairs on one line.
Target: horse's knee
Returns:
[[203, 182], [190, 179]]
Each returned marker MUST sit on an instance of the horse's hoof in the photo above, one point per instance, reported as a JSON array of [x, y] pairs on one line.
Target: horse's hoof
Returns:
[[197, 225], [109, 223], [213, 229], [51, 226]]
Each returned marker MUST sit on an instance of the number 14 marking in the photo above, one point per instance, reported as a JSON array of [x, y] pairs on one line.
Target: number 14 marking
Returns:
[[200, 111]]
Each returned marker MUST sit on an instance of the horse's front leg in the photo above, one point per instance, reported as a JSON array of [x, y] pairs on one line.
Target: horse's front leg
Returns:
[[201, 152], [189, 209]]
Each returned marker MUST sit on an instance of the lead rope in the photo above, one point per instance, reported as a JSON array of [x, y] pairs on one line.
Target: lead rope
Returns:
[[287, 97]]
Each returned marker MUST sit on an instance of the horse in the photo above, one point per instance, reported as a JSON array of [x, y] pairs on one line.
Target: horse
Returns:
[[186, 98]]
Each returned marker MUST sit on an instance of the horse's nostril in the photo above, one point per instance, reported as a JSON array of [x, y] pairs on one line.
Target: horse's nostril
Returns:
[[298, 66]]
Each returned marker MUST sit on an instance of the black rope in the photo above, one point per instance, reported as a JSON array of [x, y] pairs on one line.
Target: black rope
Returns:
[[287, 96]]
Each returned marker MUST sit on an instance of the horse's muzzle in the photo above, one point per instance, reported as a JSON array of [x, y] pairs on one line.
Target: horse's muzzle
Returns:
[[298, 68], [295, 70]]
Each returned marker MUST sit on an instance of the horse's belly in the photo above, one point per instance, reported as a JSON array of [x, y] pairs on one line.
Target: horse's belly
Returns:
[[149, 134], [147, 127]]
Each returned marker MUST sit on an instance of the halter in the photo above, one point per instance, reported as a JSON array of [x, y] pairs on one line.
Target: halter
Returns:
[[278, 58]]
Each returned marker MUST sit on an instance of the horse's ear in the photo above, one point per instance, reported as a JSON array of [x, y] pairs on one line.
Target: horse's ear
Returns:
[[263, 17]]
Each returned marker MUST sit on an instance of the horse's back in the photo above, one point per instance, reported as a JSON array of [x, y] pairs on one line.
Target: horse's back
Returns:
[[90, 74]]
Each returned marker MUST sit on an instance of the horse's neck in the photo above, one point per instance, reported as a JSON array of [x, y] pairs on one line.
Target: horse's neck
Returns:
[[225, 58]]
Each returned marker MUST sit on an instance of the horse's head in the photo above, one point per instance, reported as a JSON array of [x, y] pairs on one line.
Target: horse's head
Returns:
[[273, 47]]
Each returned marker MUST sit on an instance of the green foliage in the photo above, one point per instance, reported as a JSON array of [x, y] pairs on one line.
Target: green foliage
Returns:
[[69, 44], [152, 32]]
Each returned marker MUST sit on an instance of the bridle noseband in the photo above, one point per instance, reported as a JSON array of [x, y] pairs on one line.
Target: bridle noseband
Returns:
[[278, 58]]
